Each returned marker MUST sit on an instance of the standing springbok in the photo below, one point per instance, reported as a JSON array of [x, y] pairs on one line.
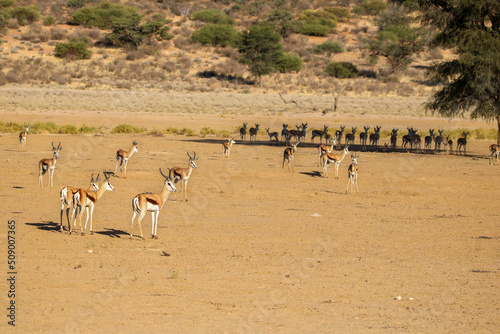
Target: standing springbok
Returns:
[[22, 137], [49, 165], [429, 139], [363, 136], [272, 135], [88, 199], [122, 157], [324, 149], [495, 152], [438, 140], [319, 133], [374, 137], [153, 203], [394, 137], [253, 132], [284, 132], [352, 173], [288, 155], [303, 135], [334, 158], [339, 134], [462, 142], [183, 174], [226, 147], [67, 194], [349, 137], [243, 131]]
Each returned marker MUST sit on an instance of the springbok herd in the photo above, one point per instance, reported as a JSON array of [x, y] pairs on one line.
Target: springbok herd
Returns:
[[75, 199]]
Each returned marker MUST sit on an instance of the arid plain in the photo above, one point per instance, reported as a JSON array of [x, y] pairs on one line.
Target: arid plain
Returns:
[[256, 249]]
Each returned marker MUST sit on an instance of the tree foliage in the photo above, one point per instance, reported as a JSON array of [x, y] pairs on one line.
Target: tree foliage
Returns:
[[471, 80], [73, 50], [329, 47], [129, 32], [288, 62], [102, 15], [212, 16], [260, 48], [397, 44], [342, 70], [216, 35]]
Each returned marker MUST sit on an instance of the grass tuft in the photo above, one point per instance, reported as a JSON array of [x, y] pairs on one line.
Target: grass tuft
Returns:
[[126, 128]]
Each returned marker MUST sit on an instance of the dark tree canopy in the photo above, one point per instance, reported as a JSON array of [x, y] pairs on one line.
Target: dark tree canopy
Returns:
[[473, 78], [260, 49]]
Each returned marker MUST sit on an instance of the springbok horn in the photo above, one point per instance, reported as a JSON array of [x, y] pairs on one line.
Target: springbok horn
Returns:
[[164, 174]]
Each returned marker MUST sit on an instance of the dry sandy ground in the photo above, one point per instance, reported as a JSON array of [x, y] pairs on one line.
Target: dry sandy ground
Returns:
[[256, 249]]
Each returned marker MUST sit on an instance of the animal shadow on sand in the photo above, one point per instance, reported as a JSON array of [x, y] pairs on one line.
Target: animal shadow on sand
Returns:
[[111, 232], [312, 174], [46, 226]]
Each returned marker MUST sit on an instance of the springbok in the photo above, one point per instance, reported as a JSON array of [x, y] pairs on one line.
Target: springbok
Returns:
[[67, 194], [284, 132], [296, 133], [226, 147], [323, 149], [49, 165], [183, 174], [349, 137], [153, 203], [253, 132], [495, 152], [122, 157], [88, 199], [272, 135], [22, 137], [288, 155], [462, 142], [334, 158], [339, 134], [243, 131], [352, 173], [319, 133], [363, 136], [429, 139], [374, 137], [394, 137], [438, 140]]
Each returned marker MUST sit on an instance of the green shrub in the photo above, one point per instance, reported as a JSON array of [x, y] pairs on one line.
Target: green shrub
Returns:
[[288, 62], [76, 3], [7, 3], [10, 127], [314, 23], [68, 130], [212, 16], [342, 70], [370, 7], [216, 35], [102, 15], [209, 131], [329, 48], [24, 14], [126, 128], [341, 13], [44, 127], [88, 129], [49, 20], [73, 50]]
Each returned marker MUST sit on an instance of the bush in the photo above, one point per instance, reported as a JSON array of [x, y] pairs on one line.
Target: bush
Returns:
[[212, 16], [73, 50], [370, 7], [342, 70], [68, 130], [314, 23], [126, 128], [102, 15], [76, 3], [216, 35], [329, 48], [49, 20], [341, 13], [287, 63], [24, 14], [7, 3]]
